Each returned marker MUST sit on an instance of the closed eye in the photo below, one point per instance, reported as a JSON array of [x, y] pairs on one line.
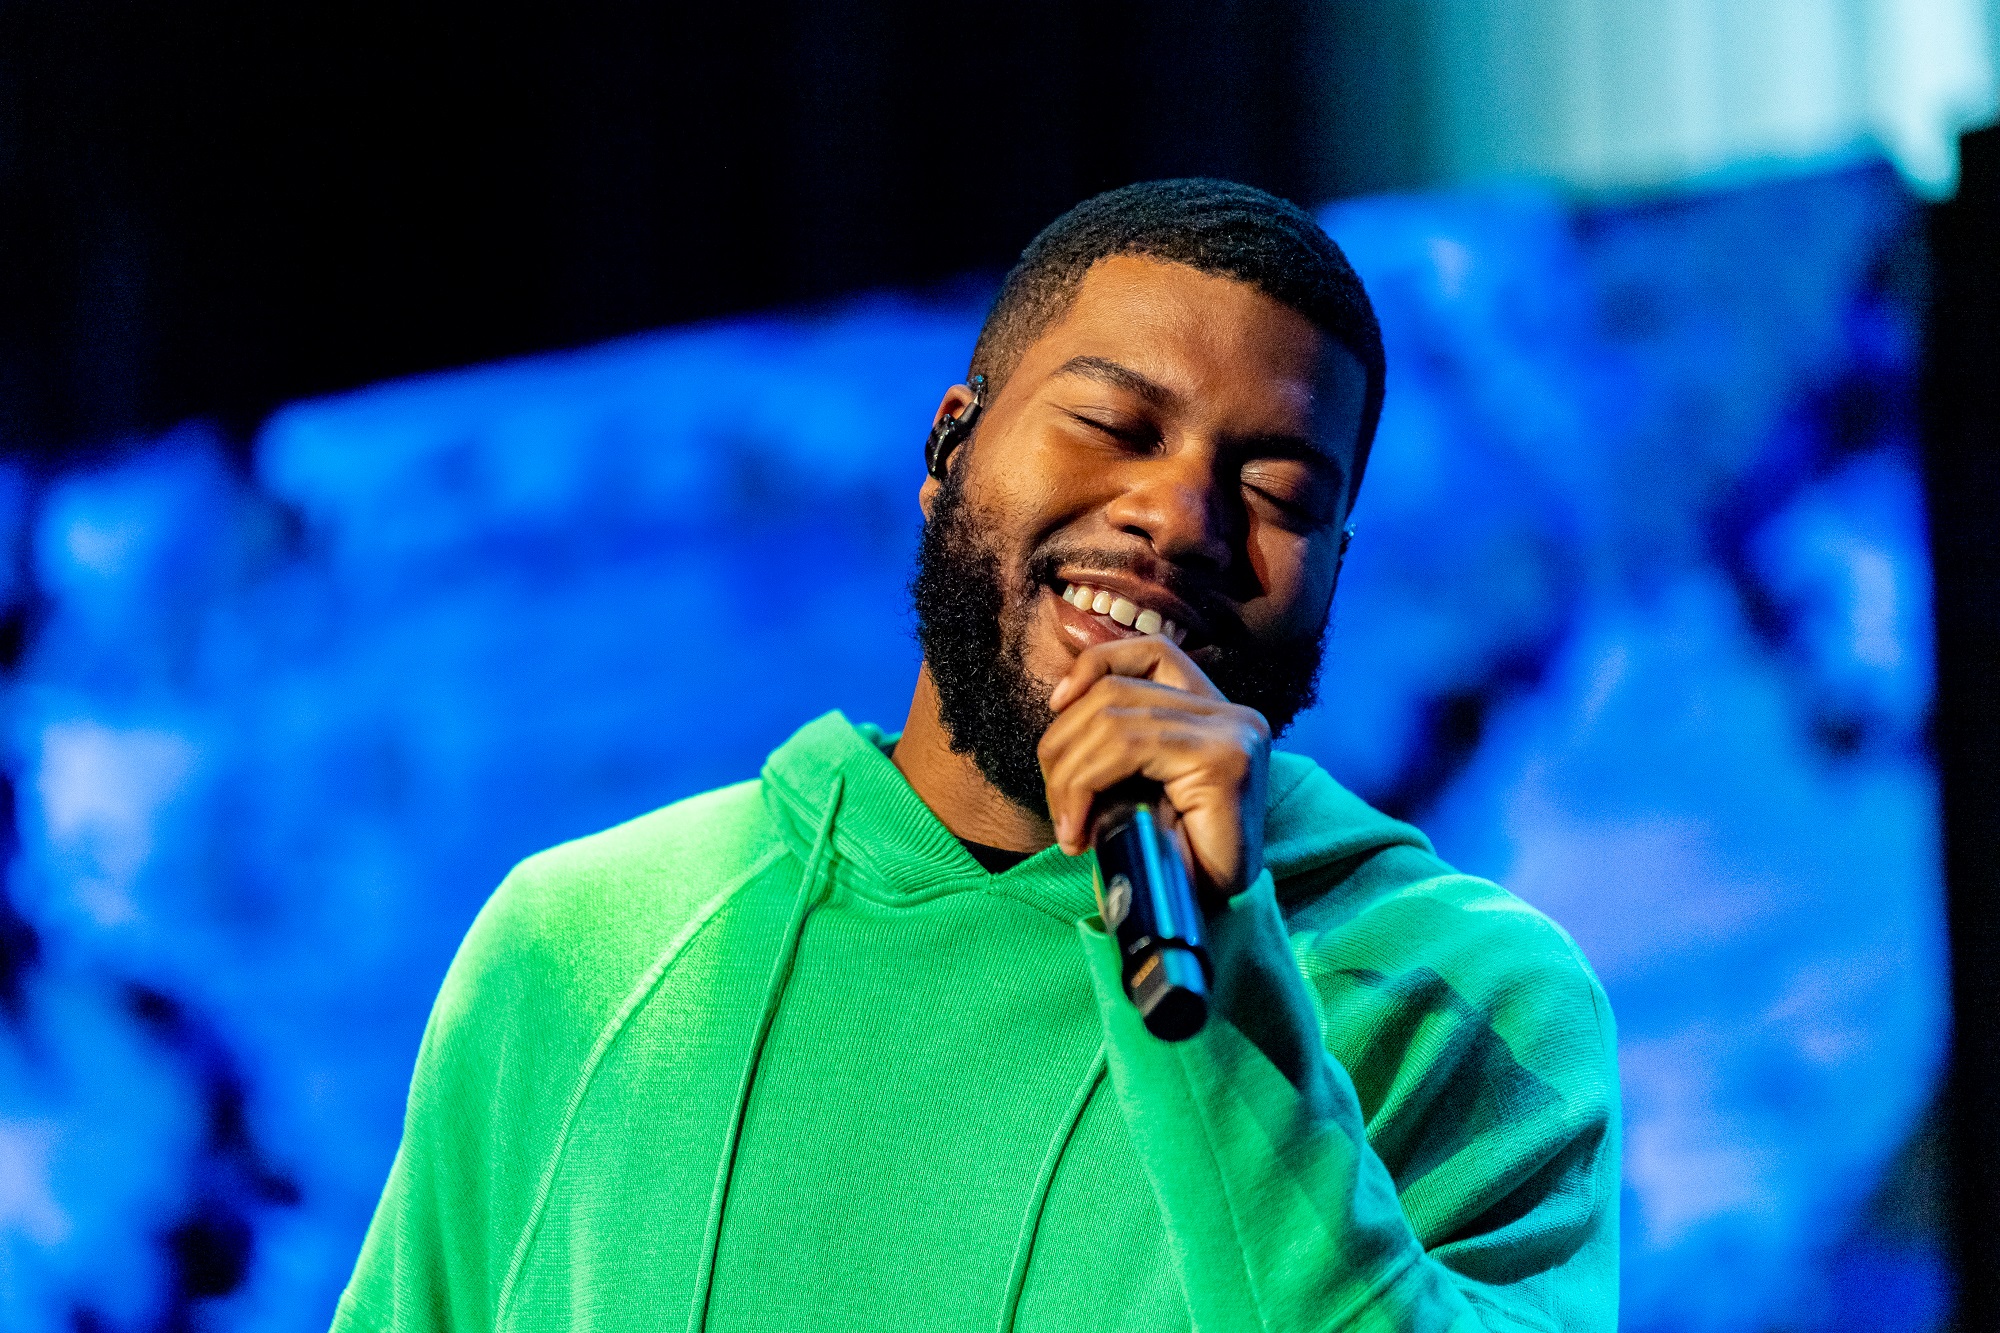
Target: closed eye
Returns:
[[1291, 513], [1133, 435], [1299, 500]]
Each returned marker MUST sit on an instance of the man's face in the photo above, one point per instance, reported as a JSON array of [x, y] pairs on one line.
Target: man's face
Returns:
[[1179, 441]]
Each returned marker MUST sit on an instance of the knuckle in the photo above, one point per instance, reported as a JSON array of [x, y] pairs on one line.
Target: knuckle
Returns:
[[1115, 731], [1259, 739], [1256, 730]]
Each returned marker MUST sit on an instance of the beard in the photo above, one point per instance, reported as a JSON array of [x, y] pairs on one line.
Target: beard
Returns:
[[973, 616]]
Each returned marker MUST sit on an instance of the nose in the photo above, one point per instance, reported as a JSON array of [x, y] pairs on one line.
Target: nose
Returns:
[[1173, 501]]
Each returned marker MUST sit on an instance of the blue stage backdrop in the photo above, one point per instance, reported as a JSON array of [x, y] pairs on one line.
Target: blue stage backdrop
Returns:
[[1637, 623]]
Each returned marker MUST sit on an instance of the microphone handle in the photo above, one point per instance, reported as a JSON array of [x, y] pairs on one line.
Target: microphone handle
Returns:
[[1146, 897]]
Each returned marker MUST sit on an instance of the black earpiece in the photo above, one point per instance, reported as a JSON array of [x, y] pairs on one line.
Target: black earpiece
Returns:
[[951, 432]]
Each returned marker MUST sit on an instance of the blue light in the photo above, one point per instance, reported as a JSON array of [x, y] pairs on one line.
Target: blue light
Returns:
[[1637, 622]]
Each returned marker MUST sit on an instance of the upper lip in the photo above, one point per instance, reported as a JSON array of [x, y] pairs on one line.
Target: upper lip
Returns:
[[1144, 595]]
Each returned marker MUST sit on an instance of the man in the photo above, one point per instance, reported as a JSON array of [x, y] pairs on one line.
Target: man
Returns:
[[846, 1047]]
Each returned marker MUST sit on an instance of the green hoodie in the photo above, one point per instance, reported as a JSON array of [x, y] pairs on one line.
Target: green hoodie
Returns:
[[783, 1056]]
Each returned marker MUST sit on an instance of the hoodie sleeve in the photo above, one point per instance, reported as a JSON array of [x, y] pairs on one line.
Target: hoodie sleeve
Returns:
[[1406, 1121], [476, 1128]]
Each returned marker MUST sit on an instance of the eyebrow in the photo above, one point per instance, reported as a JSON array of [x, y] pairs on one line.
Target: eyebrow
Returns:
[[1106, 371]]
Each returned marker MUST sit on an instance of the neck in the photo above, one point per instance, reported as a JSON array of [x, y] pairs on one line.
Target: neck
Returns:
[[954, 788]]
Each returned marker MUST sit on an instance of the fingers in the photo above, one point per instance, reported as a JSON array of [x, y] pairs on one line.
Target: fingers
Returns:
[[1141, 707], [1126, 730], [1201, 762], [1207, 752], [1213, 773], [1147, 657]]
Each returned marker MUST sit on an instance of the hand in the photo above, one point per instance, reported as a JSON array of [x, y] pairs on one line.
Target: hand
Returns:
[[1142, 707]]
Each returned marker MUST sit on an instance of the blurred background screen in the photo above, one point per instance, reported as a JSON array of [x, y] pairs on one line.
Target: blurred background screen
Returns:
[[428, 438]]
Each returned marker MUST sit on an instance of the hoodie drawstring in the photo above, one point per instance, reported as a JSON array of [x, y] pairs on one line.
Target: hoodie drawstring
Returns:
[[1017, 1276], [818, 876]]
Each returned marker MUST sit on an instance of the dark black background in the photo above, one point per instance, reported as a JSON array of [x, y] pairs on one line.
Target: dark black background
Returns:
[[209, 208], [1962, 463]]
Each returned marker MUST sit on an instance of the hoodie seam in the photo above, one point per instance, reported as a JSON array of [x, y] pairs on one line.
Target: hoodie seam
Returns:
[[633, 1001]]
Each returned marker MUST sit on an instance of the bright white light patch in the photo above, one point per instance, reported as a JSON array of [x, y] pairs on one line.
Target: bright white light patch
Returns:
[[101, 790]]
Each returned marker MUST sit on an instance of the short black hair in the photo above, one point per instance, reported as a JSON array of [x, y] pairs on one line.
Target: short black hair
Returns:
[[1215, 226]]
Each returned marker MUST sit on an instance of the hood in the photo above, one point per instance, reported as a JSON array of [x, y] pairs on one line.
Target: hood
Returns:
[[1311, 821]]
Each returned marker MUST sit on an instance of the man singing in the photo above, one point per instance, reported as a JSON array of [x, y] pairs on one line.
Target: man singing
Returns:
[[846, 1047]]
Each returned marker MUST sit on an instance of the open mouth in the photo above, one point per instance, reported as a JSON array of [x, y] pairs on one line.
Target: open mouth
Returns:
[[1121, 611]]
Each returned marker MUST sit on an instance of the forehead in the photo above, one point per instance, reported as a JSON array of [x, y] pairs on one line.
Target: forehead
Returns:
[[1220, 346]]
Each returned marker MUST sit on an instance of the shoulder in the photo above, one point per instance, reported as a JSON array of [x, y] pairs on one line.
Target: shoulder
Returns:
[[1483, 1054], [1371, 907], [572, 929], [1423, 929], [552, 965], [1445, 979], [646, 867]]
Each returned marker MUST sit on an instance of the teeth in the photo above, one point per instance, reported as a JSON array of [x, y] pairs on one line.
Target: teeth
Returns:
[[1123, 610]]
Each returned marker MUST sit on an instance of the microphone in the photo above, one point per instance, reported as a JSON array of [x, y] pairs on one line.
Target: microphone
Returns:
[[1146, 897]]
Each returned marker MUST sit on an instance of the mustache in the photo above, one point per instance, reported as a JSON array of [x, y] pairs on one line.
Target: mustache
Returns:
[[1220, 622]]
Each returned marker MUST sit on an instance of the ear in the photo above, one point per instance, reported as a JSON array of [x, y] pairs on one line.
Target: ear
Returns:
[[956, 399], [1340, 556]]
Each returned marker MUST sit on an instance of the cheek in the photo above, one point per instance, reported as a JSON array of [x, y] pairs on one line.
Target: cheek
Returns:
[[1296, 575], [1028, 484]]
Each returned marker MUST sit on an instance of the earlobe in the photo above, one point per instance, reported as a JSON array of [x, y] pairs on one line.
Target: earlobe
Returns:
[[927, 496]]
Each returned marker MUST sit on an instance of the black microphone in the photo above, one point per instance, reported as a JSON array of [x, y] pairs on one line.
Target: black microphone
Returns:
[[1146, 897]]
